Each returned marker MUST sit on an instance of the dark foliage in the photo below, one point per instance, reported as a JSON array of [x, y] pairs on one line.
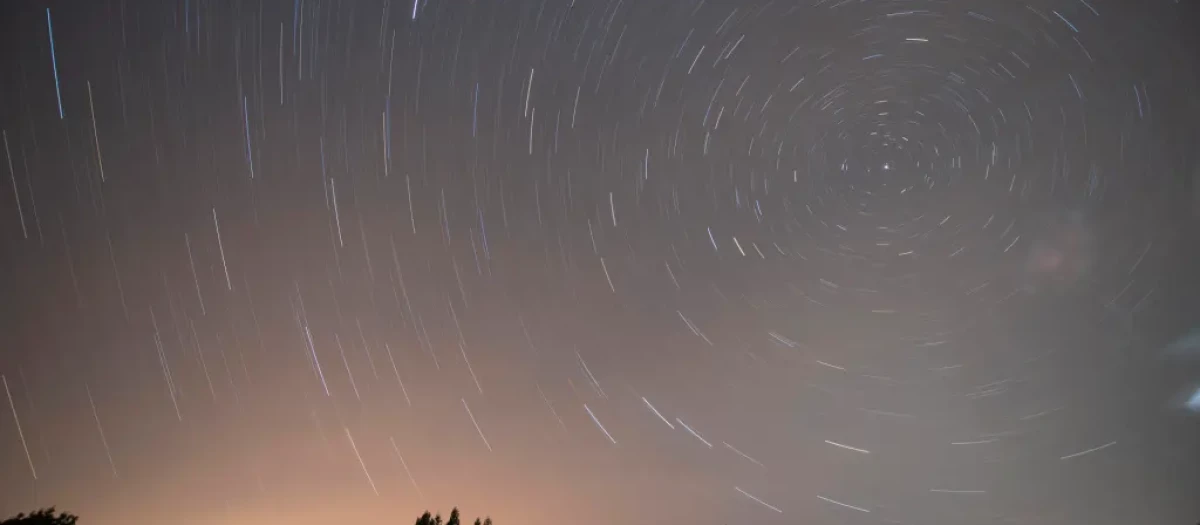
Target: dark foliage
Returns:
[[436, 519], [42, 517]]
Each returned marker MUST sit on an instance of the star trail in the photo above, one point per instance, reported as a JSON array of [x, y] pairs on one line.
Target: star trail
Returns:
[[913, 262]]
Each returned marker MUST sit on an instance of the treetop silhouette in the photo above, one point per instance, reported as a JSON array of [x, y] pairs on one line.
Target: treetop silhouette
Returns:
[[436, 519], [42, 517]]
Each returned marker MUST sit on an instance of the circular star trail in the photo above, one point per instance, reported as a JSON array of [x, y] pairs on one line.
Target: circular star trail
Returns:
[[908, 262]]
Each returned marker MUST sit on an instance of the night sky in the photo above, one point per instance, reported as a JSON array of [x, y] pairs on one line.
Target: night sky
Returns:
[[600, 261]]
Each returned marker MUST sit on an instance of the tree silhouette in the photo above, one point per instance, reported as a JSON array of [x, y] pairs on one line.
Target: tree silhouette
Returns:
[[42, 517], [425, 519]]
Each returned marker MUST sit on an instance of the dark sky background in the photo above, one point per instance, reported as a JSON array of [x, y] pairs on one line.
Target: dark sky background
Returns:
[[592, 262]]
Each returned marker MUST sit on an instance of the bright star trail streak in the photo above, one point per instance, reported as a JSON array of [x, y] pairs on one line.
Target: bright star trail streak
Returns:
[[657, 413], [337, 217], [16, 192], [95, 136], [187, 242], [100, 430], [20, 433], [716, 261], [406, 471], [366, 473], [599, 425], [756, 500], [742, 454], [54, 64], [476, 423], [221, 248], [840, 504], [246, 128]]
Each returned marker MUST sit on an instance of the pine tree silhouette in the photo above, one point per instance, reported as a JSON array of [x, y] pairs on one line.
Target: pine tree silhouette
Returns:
[[425, 519], [42, 517]]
